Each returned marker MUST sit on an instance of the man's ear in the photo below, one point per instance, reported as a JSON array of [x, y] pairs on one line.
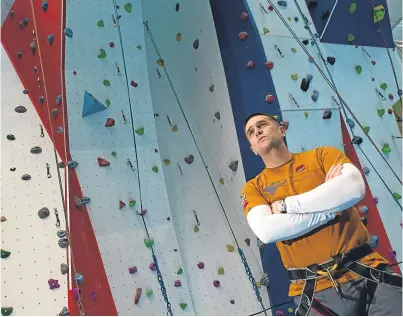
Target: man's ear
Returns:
[[282, 130]]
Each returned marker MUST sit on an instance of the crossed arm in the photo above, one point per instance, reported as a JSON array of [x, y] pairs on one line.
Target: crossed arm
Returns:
[[343, 188]]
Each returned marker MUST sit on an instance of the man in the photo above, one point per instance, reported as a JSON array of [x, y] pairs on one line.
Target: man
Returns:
[[304, 202]]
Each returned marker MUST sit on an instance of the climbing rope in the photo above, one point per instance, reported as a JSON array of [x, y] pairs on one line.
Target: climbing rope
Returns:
[[156, 266], [342, 101], [240, 251]]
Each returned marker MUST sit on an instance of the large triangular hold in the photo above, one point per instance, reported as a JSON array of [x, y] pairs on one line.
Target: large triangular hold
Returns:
[[91, 105]]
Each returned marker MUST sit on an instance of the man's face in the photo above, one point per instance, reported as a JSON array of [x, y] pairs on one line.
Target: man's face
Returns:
[[264, 134]]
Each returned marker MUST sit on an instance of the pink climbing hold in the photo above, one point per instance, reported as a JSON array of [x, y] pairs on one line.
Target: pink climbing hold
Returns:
[[269, 98], [247, 241], [392, 255], [109, 122], [243, 36], [121, 204], [133, 83], [244, 16], [102, 162], [111, 44], [269, 65], [133, 269], [178, 283], [250, 64], [270, 8], [152, 266]]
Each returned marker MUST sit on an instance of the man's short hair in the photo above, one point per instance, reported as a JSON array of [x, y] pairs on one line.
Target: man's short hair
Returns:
[[259, 114]]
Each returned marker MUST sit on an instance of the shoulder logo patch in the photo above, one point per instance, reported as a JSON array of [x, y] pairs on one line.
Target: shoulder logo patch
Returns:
[[300, 169], [244, 201]]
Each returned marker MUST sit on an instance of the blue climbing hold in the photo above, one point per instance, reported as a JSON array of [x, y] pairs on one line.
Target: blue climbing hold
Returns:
[[44, 5], [374, 241], [35, 69], [282, 3], [68, 32], [50, 39], [400, 92], [350, 123], [41, 99], [363, 209], [315, 95], [79, 278], [365, 170], [91, 105], [59, 99], [25, 21]]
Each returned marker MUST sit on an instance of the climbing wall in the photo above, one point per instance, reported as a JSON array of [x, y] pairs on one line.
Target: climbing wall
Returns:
[[31, 232]]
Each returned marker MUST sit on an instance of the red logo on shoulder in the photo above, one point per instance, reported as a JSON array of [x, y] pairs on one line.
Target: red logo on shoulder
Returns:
[[300, 169]]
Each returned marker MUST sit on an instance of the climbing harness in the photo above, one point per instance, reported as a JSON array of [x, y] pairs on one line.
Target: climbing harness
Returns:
[[347, 261]]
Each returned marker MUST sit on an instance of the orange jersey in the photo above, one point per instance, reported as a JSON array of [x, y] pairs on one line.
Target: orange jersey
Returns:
[[302, 173]]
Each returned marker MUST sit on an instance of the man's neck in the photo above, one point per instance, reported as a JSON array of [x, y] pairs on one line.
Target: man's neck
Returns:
[[276, 157]]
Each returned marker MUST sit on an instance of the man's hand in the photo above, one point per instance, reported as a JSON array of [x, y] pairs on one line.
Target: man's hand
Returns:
[[334, 171]]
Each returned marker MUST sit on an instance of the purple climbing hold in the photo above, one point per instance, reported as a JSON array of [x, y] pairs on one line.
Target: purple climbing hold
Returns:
[[200, 265], [44, 5], [50, 39], [59, 99], [247, 241], [93, 296], [133, 269], [53, 283], [392, 255], [152, 266], [216, 283], [375, 200], [76, 293]]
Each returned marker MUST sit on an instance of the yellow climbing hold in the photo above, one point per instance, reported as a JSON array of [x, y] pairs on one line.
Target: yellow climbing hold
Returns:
[[230, 248], [266, 31], [306, 114], [160, 62], [294, 76], [179, 37], [174, 128], [221, 271], [258, 285], [166, 162], [221, 180], [378, 13], [196, 228]]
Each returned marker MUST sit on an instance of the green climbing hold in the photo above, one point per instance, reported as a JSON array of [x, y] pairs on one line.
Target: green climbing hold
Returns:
[[183, 305], [289, 19], [230, 248], [352, 7], [102, 53], [378, 13], [258, 284], [221, 181], [265, 31], [180, 271], [397, 196], [149, 291], [306, 114], [384, 86], [221, 271], [128, 7], [139, 47], [149, 242], [100, 24], [155, 169], [380, 112], [107, 83], [196, 228], [290, 310], [107, 102], [5, 254], [386, 148], [6, 311], [294, 50], [294, 76], [366, 129], [113, 153], [140, 131], [358, 69], [350, 37], [132, 203]]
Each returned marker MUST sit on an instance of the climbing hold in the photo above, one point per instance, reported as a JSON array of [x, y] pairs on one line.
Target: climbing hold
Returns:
[[390, 96], [397, 196], [269, 65], [183, 305], [79, 278], [111, 44], [160, 62], [391, 255], [244, 16], [233, 165], [155, 169], [373, 62], [350, 37], [365, 170], [2, 219], [304, 84], [331, 60], [374, 241], [72, 164], [250, 65], [134, 84], [26, 177], [327, 114], [211, 88], [216, 283], [221, 181], [25, 21], [230, 248], [76, 293], [10, 137], [148, 242], [247, 241], [189, 159], [178, 283], [290, 310], [132, 203], [310, 59], [61, 233], [138, 295], [42, 99], [325, 15], [63, 243], [106, 83], [121, 204], [36, 150], [102, 162], [265, 31], [50, 39], [358, 69], [148, 291], [179, 37], [386, 148], [315, 95], [196, 44], [363, 209], [294, 76], [279, 312], [74, 72], [200, 265], [378, 13], [107, 102], [270, 7], [232, 301], [19, 55], [21, 24], [68, 32], [217, 115], [264, 280], [400, 92], [64, 268], [25, 91], [140, 131], [375, 199], [12, 13], [196, 228], [282, 3], [306, 114], [352, 7], [32, 47], [166, 162], [132, 269], [269, 98], [109, 122], [380, 112], [356, 140], [138, 47], [53, 283], [364, 220], [175, 128], [5, 254], [305, 42], [13, 169], [59, 100], [101, 54], [350, 123], [366, 129], [221, 270], [6, 311], [383, 86], [43, 213], [294, 50], [180, 271], [35, 69], [64, 312], [242, 36]]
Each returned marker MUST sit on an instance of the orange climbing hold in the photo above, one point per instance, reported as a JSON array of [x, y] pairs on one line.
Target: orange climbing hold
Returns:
[[102, 162], [243, 36]]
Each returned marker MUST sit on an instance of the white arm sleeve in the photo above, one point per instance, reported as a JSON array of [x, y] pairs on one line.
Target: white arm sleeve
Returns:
[[335, 195], [279, 227]]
